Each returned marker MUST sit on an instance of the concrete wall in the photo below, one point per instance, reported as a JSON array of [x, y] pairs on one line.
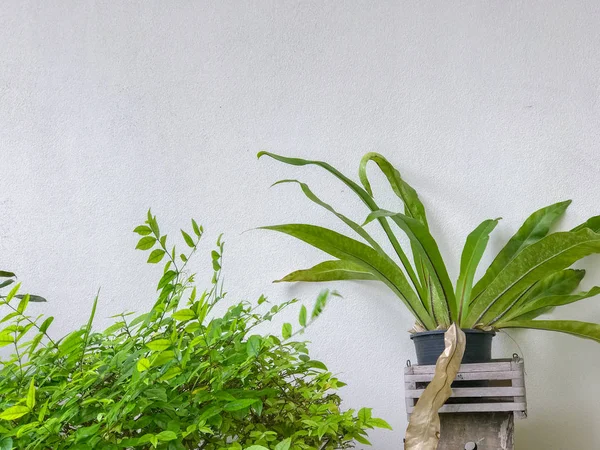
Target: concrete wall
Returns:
[[488, 108]]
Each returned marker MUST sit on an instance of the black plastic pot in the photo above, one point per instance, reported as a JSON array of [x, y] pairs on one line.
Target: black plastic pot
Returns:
[[430, 345]]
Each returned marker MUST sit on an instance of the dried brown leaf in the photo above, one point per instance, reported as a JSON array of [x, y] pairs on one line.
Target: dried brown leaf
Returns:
[[423, 432]]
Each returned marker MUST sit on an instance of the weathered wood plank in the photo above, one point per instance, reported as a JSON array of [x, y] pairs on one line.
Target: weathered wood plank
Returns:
[[408, 386], [494, 366], [519, 365], [481, 392], [479, 407], [465, 376]]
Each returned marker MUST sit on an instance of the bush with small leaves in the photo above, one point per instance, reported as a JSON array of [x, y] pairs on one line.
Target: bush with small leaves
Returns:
[[176, 377]]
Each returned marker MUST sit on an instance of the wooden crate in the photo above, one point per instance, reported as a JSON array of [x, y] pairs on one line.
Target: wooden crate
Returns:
[[502, 387], [485, 400]]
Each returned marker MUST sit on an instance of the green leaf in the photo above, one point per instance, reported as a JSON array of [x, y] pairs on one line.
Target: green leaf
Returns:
[[88, 327], [316, 365], [545, 304], [86, 432], [6, 339], [166, 279], [6, 283], [413, 206], [46, 324], [153, 224], [367, 200], [364, 414], [593, 223], [471, 255], [6, 274], [286, 330], [210, 412], [333, 270], [171, 373], [156, 256], [550, 254], [188, 239], [559, 283], [13, 292], [159, 345], [6, 443], [443, 300], [533, 229], [9, 316], [215, 260], [256, 447], [166, 436], [580, 329], [14, 412], [23, 304], [143, 364], [362, 439], [284, 445], [236, 405], [184, 314], [302, 316], [379, 423], [32, 298], [380, 265], [320, 303], [196, 228], [71, 343], [142, 230], [253, 345], [146, 243], [353, 225], [31, 394], [163, 358]]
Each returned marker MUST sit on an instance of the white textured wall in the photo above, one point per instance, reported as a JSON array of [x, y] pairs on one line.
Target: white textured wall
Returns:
[[489, 109]]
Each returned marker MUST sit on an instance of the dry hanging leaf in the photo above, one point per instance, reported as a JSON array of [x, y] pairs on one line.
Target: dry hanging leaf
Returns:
[[423, 432]]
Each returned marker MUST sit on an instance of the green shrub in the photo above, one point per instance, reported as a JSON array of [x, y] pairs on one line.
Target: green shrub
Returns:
[[176, 377]]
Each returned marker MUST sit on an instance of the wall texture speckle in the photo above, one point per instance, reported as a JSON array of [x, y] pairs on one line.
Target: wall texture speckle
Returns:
[[488, 108]]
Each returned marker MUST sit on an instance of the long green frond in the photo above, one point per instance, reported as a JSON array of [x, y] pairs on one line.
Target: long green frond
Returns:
[[367, 200], [562, 282], [334, 270], [353, 225], [348, 249], [443, 300], [533, 229], [473, 250], [543, 305], [412, 204], [550, 254], [584, 330]]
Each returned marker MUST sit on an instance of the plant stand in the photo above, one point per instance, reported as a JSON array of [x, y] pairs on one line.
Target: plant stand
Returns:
[[486, 397]]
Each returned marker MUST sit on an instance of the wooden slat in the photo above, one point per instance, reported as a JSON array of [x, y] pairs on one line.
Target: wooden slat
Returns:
[[520, 382], [409, 385], [494, 366], [466, 376], [480, 407], [476, 392]]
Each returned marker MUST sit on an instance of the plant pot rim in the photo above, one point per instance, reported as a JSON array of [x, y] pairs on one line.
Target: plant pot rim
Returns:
[[466, 330]]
